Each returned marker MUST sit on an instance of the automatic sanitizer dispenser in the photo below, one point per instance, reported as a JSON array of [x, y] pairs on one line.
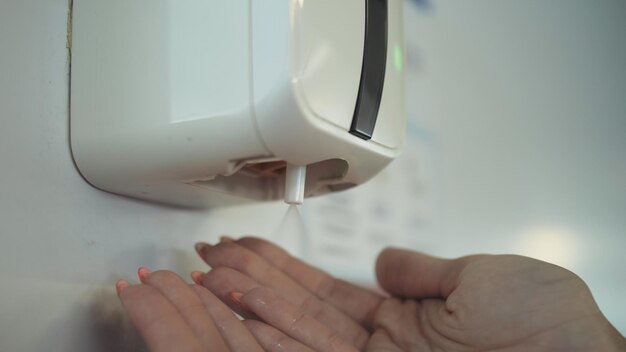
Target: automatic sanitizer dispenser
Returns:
[[213, 102]]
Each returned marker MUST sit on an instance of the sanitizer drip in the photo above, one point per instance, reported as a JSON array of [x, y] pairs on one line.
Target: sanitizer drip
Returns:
[[292, 234]]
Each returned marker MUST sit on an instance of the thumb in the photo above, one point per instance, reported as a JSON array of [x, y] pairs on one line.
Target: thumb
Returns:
[[411, 274]]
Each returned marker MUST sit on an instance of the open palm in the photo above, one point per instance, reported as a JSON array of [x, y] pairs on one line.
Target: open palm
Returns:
[[476, 303]]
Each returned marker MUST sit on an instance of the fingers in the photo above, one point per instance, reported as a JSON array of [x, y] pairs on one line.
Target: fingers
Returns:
[[237, 337], [157, 319], [188, 304], [356, 302], [273, 340], [405, 273], [222, 281], [175, 316], [292, 320], [263, 273]]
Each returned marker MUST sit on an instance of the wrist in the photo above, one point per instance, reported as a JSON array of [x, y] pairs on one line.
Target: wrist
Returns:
[[614, 341], [594, 333]]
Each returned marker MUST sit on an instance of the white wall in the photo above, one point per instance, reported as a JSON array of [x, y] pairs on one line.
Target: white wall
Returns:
[[517, 144]]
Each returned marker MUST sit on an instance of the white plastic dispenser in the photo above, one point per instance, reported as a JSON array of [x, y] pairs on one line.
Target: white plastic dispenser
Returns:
[[206, 102], [295, 177]]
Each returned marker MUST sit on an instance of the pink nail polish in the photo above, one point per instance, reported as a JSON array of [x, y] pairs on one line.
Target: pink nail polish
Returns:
[[197, 277], [121, 285], [236, 298], [202, 248], [143, 273]]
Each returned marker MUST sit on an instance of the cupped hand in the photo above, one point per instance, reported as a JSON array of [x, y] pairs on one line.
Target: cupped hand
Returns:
[[476, 303]]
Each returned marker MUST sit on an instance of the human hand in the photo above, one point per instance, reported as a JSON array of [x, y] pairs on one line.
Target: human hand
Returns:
[[496, 303], [172, 315]]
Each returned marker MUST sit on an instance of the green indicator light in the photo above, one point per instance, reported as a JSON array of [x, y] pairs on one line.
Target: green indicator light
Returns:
[[397, 58]]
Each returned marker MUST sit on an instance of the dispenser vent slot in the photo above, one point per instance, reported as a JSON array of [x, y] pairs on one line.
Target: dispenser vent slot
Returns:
[[265, 180]]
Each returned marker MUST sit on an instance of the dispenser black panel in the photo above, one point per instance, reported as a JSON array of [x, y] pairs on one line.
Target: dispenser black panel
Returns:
[[373, 70]]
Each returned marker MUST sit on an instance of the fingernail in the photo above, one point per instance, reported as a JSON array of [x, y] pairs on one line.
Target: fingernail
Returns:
[[225, 238], [236, 298], [120, 285], [143, 273], [202, 248], [197, 276]]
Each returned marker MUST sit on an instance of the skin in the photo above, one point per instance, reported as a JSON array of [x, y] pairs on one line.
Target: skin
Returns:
[[172, 315], [476, 303]]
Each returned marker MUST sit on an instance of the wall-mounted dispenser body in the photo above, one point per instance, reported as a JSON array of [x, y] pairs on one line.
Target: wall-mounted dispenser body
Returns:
[[205, 102]]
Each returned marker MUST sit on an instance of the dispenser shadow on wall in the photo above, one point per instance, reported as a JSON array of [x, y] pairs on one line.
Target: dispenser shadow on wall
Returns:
[[205, 102]]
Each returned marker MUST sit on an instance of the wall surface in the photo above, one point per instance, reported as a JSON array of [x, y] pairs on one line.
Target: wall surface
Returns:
[[516, 144]]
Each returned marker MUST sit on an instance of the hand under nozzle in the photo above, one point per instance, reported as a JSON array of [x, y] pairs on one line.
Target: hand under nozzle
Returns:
[[294, 184]]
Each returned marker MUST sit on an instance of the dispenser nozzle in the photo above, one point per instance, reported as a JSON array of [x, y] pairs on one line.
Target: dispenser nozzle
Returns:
[[294, 184]]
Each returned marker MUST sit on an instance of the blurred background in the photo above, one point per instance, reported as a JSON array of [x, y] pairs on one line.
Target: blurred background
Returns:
[[516, 144]]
